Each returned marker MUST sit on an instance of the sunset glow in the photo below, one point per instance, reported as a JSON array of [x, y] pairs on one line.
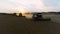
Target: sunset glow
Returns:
[[29, 5]]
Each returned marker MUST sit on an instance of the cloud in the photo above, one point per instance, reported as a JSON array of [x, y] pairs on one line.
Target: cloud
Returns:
[[5, 7], [32, 5], [29, 5]]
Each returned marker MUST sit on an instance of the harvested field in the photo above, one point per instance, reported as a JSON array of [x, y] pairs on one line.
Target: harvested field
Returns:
[[10, 24]]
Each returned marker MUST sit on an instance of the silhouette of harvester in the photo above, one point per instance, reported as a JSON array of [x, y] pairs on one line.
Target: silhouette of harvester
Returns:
[[20, 14], [39, 16]]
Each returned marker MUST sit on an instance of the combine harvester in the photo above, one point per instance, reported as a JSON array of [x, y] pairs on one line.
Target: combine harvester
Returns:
[[32, 15]]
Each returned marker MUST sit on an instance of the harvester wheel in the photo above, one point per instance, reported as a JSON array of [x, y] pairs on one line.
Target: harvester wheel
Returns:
[[20, 15]]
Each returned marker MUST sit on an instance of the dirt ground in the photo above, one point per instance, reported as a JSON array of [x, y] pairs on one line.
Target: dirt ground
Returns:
[[19, 25]]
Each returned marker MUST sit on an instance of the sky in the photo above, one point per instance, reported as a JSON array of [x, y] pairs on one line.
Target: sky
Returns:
[[29, 5]]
